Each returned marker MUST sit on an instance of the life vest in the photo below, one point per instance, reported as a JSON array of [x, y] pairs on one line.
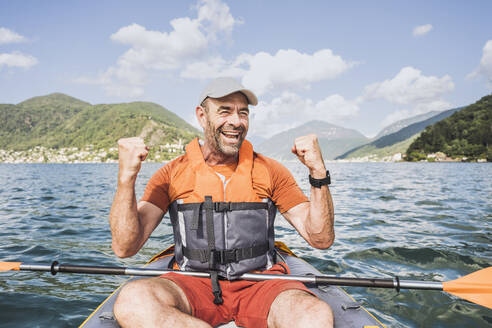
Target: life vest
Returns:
[[223, 226]]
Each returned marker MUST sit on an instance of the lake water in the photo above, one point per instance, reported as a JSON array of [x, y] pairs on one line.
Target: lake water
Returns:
[[421, 221]]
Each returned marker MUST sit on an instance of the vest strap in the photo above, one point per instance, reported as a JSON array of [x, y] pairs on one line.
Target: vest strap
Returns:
[[208, 205], [196, 217], [216, 290], [230, 206], [209, 215], [225, 256], [224, 206]]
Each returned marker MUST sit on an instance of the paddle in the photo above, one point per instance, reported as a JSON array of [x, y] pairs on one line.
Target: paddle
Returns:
[[475, 287]]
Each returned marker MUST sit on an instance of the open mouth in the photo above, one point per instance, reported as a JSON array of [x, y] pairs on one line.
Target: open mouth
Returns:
[[231, 135]]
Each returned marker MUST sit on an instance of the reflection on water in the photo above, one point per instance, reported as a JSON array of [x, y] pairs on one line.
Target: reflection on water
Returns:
[[422, 221]]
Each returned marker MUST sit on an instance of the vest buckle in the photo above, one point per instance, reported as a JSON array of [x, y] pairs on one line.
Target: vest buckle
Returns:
[[221, 257], [231, 256], [224, 256], [222, 206]]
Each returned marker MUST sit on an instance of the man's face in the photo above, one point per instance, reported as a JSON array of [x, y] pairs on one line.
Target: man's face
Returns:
[[225, 122]]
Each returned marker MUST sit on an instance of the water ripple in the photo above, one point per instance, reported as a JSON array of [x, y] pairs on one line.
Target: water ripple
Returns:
[[428, 221]]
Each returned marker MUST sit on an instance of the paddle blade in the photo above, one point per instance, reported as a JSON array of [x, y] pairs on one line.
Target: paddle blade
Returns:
[[9, 266], [475, 287]]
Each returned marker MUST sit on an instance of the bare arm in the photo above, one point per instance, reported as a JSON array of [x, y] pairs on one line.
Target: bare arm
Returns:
[[131, 224], [314, 220]]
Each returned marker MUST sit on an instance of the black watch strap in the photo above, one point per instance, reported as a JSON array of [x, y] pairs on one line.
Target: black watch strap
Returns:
[[317, 183]]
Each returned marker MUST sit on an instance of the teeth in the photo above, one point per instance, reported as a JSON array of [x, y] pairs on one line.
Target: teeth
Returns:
[[232, 134]]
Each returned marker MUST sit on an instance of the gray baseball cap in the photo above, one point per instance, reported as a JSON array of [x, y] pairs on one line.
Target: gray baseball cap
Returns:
[[223, 86]]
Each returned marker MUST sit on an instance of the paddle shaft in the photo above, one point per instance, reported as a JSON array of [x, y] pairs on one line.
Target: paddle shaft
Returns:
[[319, 280]]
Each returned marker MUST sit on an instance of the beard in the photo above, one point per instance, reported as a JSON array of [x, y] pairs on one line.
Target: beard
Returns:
[[229, 147]]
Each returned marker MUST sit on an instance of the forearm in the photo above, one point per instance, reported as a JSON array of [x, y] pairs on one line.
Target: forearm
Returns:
[[320, 221], [126, 229]]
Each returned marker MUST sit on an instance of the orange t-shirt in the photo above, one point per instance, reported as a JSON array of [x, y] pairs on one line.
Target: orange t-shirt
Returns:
[[282, 189]]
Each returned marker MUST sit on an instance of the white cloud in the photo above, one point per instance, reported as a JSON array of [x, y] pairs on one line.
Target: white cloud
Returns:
[[214, 67], [124, 81], [420, 93], [485, 67], [409, 86], [14, 59], [292, 68], [188, 47], [188, 40], [264, 72], [160, 50], [17, 59], [422, 30], [436, 105], [8, 36], [290, 110], [216, 18], [335, 109]]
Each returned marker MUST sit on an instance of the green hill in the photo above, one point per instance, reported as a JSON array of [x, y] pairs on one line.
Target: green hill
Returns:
[[467, 133], [59, 121], [396, 142], [377, 153], [25, 124]]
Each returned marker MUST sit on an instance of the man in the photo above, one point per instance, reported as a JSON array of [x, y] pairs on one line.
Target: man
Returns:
[[222, 199]]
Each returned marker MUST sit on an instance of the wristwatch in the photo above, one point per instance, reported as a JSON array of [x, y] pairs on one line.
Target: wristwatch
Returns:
[[317, 183]]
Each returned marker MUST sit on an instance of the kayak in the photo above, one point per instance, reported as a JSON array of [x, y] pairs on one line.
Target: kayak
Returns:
[[346, 311]]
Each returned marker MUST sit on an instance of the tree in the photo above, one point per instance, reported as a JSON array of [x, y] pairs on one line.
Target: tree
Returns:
[[467, 132]]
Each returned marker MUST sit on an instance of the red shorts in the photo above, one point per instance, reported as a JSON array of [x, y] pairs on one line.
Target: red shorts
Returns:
[[246, 302]]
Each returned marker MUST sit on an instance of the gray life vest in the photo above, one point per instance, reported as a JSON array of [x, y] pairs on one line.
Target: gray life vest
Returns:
[[229, 230], [230, 238]]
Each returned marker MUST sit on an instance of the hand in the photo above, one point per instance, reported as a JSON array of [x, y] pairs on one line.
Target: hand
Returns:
[[131, 153], [307, 149]]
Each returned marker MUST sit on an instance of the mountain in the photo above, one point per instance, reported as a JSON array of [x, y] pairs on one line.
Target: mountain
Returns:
[[60, 121], [467, 133], [398, 125], [53, 100], [26, 124], [396, 142], [334, 140]]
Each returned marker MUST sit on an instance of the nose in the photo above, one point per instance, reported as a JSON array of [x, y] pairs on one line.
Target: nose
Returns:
[[234, 119]]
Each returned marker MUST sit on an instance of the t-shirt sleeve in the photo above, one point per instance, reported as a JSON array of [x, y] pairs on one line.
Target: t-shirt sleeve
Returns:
[[285, 191], [156, 191]]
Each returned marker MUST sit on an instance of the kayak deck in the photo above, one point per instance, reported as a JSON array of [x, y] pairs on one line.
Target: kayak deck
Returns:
[[346, 311]]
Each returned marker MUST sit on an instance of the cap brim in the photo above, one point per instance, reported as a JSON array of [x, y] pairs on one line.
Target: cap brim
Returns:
[[252, 100]]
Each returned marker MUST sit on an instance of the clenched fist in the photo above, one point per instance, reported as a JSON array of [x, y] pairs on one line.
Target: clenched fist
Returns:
[[131, 153], [307, 149]]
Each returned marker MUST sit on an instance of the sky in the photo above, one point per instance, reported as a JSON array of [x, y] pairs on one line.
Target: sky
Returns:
[[357, 64]]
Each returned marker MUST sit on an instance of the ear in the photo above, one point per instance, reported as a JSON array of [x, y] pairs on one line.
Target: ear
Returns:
[[201, 116]]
